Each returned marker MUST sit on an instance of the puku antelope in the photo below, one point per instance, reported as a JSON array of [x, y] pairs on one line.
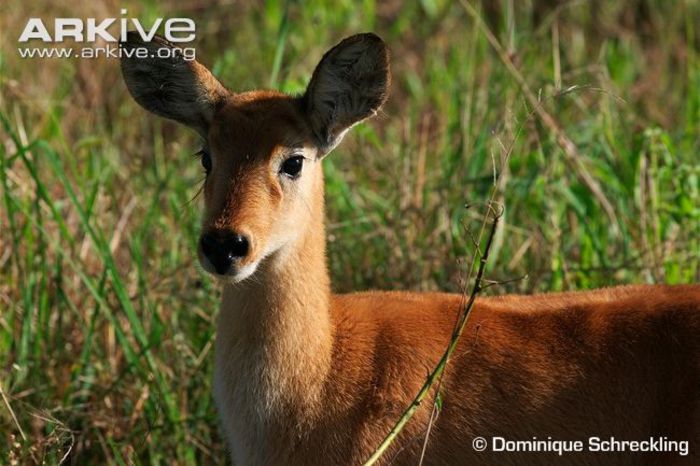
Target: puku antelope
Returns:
[[307, 377]]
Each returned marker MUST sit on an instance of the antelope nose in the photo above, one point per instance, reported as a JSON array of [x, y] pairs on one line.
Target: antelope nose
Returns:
[[223, 248]]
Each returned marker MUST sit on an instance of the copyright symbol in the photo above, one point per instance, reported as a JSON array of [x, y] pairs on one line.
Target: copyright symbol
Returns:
[[479, 444]]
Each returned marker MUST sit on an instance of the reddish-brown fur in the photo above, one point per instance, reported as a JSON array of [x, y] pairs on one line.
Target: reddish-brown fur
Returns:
[[307, 377]]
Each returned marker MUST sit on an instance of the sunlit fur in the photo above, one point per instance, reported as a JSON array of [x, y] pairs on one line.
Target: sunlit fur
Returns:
[[307, 377]]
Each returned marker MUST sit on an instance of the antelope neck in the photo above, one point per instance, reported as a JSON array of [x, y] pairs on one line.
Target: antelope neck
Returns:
[[278, 321]]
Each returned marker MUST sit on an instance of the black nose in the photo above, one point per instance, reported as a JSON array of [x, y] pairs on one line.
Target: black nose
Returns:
[[223, 248]]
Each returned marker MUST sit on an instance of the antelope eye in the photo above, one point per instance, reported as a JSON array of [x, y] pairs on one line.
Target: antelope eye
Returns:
[[205, 158], [292, 166]]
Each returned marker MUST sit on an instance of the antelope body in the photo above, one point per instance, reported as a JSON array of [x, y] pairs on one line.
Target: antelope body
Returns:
[[307, 377]]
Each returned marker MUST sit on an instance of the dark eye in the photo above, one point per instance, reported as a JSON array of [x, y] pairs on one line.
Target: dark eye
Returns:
[[205, 158], [292, 166]]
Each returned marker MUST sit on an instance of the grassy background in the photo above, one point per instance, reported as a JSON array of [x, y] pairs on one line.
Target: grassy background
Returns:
[[106, 324]]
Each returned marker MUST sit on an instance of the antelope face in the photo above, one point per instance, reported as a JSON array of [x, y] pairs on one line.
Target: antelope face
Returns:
[[263, 174], [262, 149]]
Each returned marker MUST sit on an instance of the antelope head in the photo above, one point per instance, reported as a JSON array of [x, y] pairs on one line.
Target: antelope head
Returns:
[[262, 150]]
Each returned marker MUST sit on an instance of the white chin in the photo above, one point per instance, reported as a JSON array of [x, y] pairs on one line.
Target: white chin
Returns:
[[237, 275], [241, 273]]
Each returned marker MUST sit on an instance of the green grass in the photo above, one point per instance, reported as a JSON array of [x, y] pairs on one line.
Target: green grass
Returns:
[[106, 322]]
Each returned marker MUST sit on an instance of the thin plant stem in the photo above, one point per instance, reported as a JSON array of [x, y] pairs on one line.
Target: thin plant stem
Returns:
[[464, 317]]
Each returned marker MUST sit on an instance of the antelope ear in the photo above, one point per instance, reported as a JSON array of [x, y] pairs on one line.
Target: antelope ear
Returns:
[[349, 84], [176, 87]]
